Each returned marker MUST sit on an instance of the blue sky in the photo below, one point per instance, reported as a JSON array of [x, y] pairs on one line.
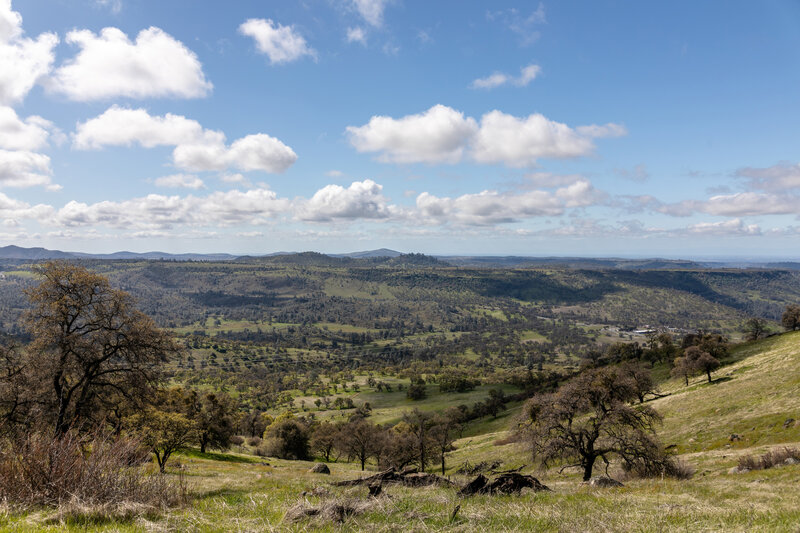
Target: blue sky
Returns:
[[525, 128]]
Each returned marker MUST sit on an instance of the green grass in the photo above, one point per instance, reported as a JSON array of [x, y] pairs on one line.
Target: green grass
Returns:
[[753, 394]]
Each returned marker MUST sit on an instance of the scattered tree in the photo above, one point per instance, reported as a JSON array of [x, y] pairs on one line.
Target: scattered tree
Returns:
[[589, 418], [791, 317]]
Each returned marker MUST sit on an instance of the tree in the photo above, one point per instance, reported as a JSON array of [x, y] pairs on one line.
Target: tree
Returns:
[[589, 418], [164, 432], [91, 348], [324, 439], [419, 424], [639, 378], [682, 368], [791, 317], [16, 402], [443, 434], [360, 440], [416, 391], [701, 361], [214, 415], [287, 438], [754, 328]]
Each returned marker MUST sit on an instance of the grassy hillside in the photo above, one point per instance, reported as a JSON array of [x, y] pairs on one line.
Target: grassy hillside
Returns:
[[752, 396]]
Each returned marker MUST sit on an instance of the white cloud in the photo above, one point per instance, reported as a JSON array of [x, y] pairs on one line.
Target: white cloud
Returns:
[[29, 134], [16, 211], [526, 75], [114, 5], [490, 82], [776, 178], [522, 25], [119, 126], [439, 135], [371, 10], [443, 135], [180, 181], [24, 61], [728, 227], [196, 148], [109, 65], [750, 204], [282, 44], [24, 169], [156, 211], [361, 200], [519, 142], [493, 207], [356, 35]]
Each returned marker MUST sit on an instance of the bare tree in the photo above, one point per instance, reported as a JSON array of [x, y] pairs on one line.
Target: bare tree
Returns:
[[589, 418], [91, 348]]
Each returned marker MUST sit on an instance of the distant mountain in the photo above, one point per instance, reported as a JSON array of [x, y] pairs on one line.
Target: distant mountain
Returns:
[[383, 252], [43, 254], [33, 254]]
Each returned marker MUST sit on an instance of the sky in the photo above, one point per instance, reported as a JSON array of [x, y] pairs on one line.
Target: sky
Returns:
[[603, 128]]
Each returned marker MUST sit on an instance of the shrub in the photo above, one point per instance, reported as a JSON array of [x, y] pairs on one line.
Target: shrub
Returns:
[[96, 470], [286, 439], [254, 441], [775, 457], [237, 440]]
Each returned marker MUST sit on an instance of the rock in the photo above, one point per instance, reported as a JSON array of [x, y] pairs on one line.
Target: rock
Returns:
[[420, 479], [737, 470], [320, 468], [510, 483], [474, 486], [788, 423], [735, 437], [375, 488], [603, 482]]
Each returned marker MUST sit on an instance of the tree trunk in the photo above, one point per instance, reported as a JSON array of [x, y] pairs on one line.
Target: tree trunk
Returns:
[[686, 376], [588, 464], [203, 443], [442, 464], [708, 373]]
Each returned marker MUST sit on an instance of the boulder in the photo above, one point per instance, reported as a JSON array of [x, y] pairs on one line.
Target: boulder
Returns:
[[320, 468], [603, 482], [789, 422]]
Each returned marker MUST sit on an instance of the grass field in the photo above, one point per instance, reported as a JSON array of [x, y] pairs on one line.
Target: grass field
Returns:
[[752, 396]]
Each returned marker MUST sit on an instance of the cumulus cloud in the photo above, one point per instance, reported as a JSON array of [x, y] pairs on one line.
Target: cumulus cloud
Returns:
[[371, 10], [163, 212], [356, 35], [527, 74], [180, 181], [281, 44], [29, 134], [728, 227], [196, 148], [439, 135], [24, 169], [492, 207], [109, 65], [776, 178], [443, 135], [24, 61], [361, 200], [519, 142], [13, 211]]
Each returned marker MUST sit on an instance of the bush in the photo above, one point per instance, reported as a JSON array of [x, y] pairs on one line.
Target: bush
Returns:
[[658, 466], [775, 457], [97, 470], [416, 391], [254, 441], [286, 439], [237, 440]]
